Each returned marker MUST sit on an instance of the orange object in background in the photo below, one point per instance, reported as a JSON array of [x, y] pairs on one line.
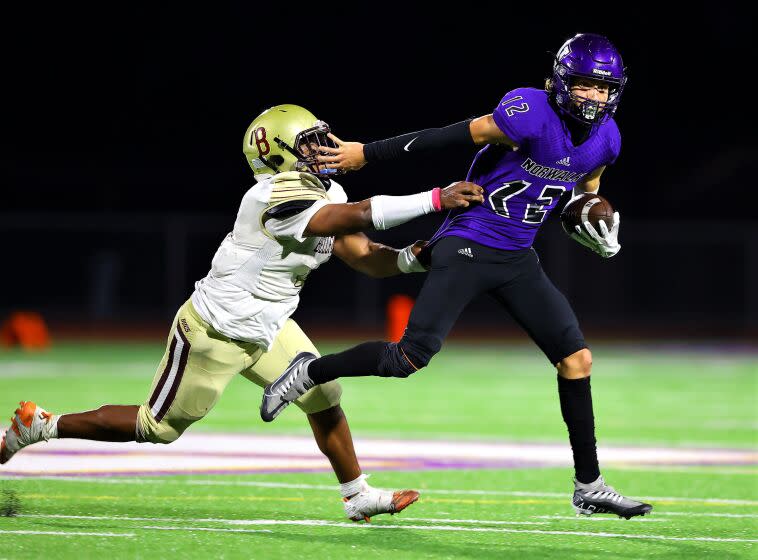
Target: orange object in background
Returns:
[[26, 329], [398, 310]]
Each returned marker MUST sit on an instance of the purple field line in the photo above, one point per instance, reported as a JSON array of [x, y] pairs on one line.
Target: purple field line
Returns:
[[415, 465], [254, 455], [255, 439], [171, 453], [483, 441], [390, 466]]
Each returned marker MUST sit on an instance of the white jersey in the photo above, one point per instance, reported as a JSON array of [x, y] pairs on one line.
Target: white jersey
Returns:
[[259, 269]]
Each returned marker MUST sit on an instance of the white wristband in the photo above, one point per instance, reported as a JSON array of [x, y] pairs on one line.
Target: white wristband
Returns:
[[391, 211], [407, 261]]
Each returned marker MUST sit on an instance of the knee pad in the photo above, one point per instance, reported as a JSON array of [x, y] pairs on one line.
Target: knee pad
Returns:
[[320, 398], [148, 430], [397, 361]]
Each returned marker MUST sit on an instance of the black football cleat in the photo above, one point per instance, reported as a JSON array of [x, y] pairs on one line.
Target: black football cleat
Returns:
[[598, 497]]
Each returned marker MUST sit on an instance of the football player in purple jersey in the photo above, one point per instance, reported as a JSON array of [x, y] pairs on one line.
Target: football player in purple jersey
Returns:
[[538, 144]]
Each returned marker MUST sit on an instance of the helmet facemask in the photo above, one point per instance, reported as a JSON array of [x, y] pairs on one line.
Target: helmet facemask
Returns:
[[584, 110], [307, 149]]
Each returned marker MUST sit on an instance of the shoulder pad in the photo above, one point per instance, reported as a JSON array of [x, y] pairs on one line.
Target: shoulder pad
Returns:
[[293, 185]]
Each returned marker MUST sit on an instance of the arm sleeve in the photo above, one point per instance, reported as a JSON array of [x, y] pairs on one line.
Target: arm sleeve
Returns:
[[518, 114], [455, 135], [291, 221]]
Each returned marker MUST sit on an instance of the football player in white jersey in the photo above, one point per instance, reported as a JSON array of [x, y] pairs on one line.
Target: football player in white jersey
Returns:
[[237, 321]]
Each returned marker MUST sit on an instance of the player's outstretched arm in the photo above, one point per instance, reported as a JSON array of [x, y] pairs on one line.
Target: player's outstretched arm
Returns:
[[374, 259], [350, 156], [384, 212]]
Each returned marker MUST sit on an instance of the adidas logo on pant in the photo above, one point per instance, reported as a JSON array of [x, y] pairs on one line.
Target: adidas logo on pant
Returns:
[[466, 252]]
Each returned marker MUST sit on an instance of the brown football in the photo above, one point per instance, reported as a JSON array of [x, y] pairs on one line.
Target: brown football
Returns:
[[588, 207]]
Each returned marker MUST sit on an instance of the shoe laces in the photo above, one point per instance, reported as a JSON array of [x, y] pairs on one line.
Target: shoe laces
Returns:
[[285, 387]]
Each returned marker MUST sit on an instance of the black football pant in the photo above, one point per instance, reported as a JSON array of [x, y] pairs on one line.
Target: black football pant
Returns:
[[460, 271]]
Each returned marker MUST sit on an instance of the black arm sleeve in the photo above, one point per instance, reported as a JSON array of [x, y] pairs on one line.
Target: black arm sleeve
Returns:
[[457, 134]]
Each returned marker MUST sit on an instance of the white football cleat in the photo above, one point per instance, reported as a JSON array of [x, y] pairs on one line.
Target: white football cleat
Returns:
[[31, 424], [371, 501]]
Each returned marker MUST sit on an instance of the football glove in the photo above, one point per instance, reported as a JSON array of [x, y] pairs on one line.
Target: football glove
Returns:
[[407, 261], [605, 243]]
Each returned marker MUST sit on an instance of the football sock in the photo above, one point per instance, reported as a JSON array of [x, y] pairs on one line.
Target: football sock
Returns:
[[576, 408], [52, 427], [358, 361], [350, 489]]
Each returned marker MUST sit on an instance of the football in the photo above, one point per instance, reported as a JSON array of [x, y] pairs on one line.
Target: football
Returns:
[[588, 207]]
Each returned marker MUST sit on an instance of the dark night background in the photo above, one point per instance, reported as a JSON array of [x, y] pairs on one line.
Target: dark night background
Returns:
[[122, 127]]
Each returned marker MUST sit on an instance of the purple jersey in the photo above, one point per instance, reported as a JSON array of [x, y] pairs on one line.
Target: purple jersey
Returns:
[[522, 186]]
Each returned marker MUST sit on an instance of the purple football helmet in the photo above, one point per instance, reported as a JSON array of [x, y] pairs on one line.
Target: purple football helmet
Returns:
[[588, 55]]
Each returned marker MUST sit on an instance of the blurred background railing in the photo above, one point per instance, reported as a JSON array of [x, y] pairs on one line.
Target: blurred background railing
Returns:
[[683, 279]]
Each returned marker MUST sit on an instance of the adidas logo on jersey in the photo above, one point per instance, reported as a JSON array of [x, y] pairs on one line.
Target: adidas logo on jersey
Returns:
[[466, 252], [564, 161]]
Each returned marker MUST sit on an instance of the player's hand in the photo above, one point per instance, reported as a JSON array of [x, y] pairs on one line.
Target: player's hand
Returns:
[[347, 156], [606, 242], [424, 255], [408, 261], [418, 246], [461, 194]]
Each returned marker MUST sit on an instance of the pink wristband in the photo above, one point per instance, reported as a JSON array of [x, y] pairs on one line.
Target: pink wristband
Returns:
[[437, 199]]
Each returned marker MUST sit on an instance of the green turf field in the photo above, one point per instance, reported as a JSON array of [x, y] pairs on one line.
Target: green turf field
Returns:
[[643, 396]]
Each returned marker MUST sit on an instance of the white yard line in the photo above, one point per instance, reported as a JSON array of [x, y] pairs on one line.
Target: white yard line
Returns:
[[67, 534], [211, 529], [582, 518], [369, 526], [117, 518], [327, 487], [256, 521], [706, 514], [461, 492], [472, 521], [322, 523], [436, 525]]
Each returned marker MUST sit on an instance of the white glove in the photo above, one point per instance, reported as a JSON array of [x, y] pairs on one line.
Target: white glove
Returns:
[[407, 261], [605, 243]]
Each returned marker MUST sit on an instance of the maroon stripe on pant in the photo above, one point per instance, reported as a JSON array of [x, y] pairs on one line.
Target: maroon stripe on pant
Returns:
[[179, 374], [164, 375]]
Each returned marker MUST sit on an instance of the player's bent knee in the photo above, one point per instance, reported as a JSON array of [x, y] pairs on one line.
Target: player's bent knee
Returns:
[[321, 397], [398, 361], [153, 431], [577, 365]]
